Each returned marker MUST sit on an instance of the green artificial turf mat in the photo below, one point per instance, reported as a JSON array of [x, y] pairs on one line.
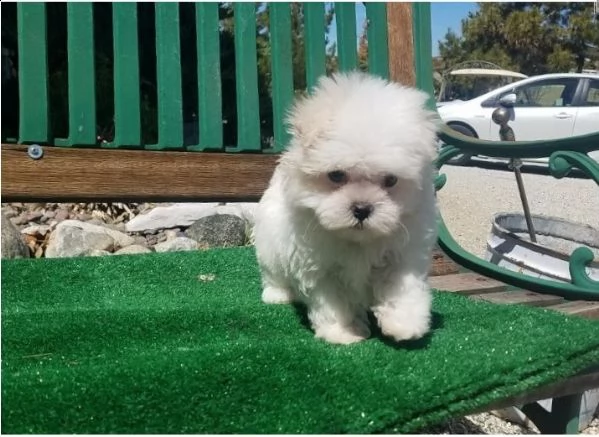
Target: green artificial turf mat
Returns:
[[180, 343]]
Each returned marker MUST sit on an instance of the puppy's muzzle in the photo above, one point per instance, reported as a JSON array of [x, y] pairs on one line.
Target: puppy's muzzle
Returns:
[[362, 211]]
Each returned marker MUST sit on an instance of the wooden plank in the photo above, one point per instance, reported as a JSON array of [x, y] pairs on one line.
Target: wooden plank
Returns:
[[80, 175], [401, 47], [521, 297], [442, 264], [34, 116], [466, 283], [580, 308]]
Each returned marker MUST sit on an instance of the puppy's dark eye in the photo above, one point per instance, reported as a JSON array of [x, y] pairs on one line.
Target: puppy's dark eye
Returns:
[[337, 176], [389, 180]]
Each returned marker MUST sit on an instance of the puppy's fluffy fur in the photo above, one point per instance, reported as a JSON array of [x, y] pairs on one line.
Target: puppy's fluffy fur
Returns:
[[347, 223]]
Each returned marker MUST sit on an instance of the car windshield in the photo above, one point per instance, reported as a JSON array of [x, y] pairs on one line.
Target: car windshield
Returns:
[[470, 87]]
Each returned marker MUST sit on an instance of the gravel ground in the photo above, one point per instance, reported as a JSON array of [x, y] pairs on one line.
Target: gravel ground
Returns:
[[472, 195], [468, 202]]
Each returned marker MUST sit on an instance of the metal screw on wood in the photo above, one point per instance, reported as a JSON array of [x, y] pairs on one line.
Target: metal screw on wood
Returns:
[[35, 151], [501, 116]]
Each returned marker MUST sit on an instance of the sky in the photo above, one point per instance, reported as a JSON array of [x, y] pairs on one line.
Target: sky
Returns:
[[448, 15], [444, 15]]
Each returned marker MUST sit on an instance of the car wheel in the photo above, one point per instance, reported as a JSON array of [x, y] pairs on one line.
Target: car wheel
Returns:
[[464, 158]]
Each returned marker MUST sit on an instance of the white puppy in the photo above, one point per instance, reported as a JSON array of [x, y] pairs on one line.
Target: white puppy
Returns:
[[348, 222]]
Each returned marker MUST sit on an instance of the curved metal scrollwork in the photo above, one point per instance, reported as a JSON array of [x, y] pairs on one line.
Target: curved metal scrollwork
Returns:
[[561, 163], [564, 155]]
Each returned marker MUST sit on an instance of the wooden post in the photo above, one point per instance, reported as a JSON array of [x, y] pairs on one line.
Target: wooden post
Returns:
[[401, 43]]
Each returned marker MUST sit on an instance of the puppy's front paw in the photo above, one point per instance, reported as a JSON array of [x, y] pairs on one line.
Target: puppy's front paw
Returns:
[[339, 334], [403, 326], [275, 295]]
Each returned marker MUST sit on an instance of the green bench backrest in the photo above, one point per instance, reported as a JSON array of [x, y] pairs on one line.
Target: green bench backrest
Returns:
[[34, 49]]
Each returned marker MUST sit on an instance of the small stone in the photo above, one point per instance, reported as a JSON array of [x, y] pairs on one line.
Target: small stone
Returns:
[[9, 212], [177, 244], [151, 240], [75, 238], [36, 229], [96, 222], [84, 217], [21, 219], [185, 214], [99, 252], [13, 245], [61, 215], [140, 241], [133, 249], [50, 214], [34, 215], [222, 230], [161, 236], [171, 234]]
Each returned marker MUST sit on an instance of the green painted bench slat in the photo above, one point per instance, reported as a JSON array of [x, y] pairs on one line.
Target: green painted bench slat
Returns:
[[82, 77], [246, 74], [168, 77], [34, 116], [346, 33], [282, 70], [378, 46], [314, 42], [210, 106], [127, 105]]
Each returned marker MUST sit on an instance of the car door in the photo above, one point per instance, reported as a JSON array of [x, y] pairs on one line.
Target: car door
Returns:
[[587, 118], [544, 109]]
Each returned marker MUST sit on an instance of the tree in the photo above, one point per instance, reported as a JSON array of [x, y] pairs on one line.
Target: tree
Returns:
[[533, 38]]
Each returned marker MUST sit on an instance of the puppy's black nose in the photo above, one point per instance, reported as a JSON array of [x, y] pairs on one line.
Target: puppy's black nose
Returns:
[[361, 211]]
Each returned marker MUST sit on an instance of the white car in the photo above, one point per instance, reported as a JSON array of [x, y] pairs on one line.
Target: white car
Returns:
[[546, 107]]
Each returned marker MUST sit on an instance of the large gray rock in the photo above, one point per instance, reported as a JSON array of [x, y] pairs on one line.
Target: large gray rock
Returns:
[[221, 230], [185, 214], [176, 245], [75, 238], [13, 245]]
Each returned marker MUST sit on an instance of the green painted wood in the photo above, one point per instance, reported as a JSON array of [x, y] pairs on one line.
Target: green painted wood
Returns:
[[246, 75], [282, 70], [347, 45], [127, 105], [378, 45], [423, 51], [82, 75], [168, 77], [314, 43], [34, 118], [209, 81]]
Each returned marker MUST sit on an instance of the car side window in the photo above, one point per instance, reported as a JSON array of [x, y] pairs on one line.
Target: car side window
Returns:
[[547, 93], [592, 97]]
